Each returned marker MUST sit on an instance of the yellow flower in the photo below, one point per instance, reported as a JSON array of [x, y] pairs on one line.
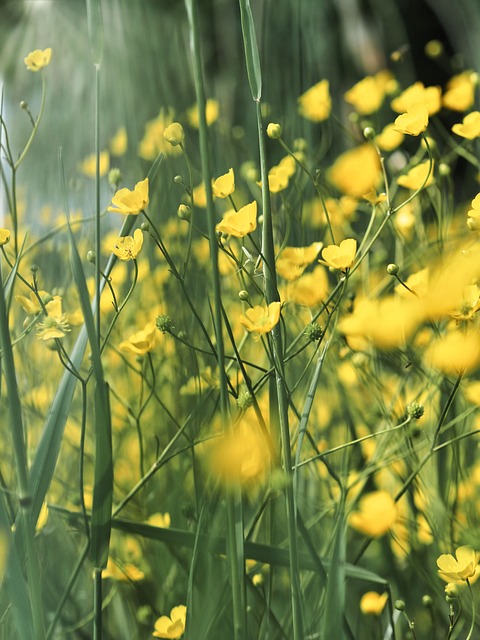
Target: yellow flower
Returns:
[[89, 164], [174, 134], [260, 320], [159, 520], [376, 515], [461, 567], [55, 324], [224, 185], [126, 572], [142, 342], [367, 95], [199, 196], [460, 94], [128, 248], [131, 202], [473, 215], [469, 304], [455, 353], [211, 112], [315, 104], [418, 93], [341, 256], [373, 603], [173, 626], [311, 289], [417, 176], [239, 223], [390, 138], [31, 305], [414, 121], [293, 261], [38, 59], [119, 143], [470, 127], [4, 237], [356, 171], [153, 141]]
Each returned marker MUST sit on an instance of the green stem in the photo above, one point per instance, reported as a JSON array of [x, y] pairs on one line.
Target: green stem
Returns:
[[472, 626], [35, 128]]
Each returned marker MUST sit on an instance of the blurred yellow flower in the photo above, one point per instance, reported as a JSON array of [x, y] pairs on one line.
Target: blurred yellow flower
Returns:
[[38, 59], [174, 134], [458, 568], [418, 93], [128, 248], [469, 303], [88, 166], [367, 95], [414, 121], [470, 127], [239, 223], [390, 138], [373, 603], [153, 141], [199, 196], [293, 261], [131, 202], [5, 235], [31, 305], [315, 104], [119, 143], [341, 256], [126, 572], [171, 627], [417, 176], [211, 113], [376, 515], [356, 171], [311, 289], [142, 342], [261, 319], [159, 520], [224, 185], [460, 93], [455, 353]]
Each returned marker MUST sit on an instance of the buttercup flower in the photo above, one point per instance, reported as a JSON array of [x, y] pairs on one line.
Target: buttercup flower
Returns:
[[153, 141], [38, 59], [174, 134], [261, 320], [315, 104], [356, 171], [131, 202], [414, 121], [211, 112], [390, 138], [341, 256], [119, 143], [460, 94], [173, 626], [293, 261], [128, 248], [367, 95], [55, 324], [417, 176], [473, 215], [376, 515], [239, 223], [418, 93], [461, 567], [470, 127], [373, 603], [142, 342], [88, 166], [455, 353], [5, 235], [224, 185]]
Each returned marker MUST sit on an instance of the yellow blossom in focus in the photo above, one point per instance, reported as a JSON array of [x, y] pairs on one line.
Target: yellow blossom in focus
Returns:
[[131, 202], [458, 568], [55, 324], [211, 113], [416, 177], [414, 121], [367, 95], [315, 104], [239, 223], [418, 93], [224, 185], [455, 353], [470, 127], [341, 256], [142, 342], [373, 603], [260, 320], [293, 261], [88, 166], [128, 248], [460, 93], [153, 141], [356, 171], [171, 627], [376, 515], [5, 236], [390, 138], [119, 143], [38, 59]]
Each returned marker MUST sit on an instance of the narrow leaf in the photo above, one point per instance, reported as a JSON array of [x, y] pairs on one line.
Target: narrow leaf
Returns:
[[251, 50]]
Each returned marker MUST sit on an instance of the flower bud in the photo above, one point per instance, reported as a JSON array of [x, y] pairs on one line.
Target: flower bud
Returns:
[[145, 227], [115, 177], [243, 295], [164, 324], [399, 605], [174, 134], [392, 269], [444, 169], [23, 105], [91, 257], [244, 400], [415, 410], [274, 131], [33, 268], [313, 332], [369, 133], [427, 601], [184, 212]]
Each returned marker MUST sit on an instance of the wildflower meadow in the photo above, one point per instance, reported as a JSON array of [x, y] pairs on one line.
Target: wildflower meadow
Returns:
[[239, 320]]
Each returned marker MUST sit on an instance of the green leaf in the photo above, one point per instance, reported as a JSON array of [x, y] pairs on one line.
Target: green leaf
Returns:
[[252, 59], [333, 614]]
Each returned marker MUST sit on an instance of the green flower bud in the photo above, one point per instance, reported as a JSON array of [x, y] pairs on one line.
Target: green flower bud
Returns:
[[313, 332], [243, 295], [178, 180], [244, 400], [392, 269], [444, 169], [427, 601], [415, 410], [274, 131], [23, 105], [145, 227], [33, 268], [91, 257], [184, 212], [399, 605], [369, 133], [115, 177], [164, 324]]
